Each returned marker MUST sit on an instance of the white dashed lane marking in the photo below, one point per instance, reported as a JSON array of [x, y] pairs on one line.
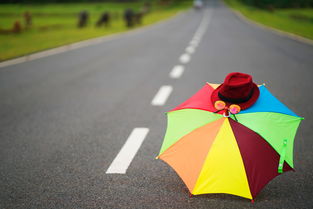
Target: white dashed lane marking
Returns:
[[162, 95], [177, 71], [125, 156], [128, 151], [185, 58], [190, 50]]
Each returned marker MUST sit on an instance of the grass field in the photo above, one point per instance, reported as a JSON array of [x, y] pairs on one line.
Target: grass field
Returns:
[[56, 24], [296, 21]]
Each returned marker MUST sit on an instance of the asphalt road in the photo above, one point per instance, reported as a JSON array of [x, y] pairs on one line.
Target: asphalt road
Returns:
[[64, 118]]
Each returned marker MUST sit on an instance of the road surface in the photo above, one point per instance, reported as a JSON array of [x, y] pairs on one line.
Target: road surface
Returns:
[[64, 119]]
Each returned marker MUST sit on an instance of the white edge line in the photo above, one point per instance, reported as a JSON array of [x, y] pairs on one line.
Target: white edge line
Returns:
[[162, 95], [123, 159]]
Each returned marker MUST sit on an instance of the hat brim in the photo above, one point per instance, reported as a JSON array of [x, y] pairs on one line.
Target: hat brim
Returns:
[[244, 105]]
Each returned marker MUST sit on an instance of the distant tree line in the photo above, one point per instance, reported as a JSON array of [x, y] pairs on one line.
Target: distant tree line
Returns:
[[279, 3]]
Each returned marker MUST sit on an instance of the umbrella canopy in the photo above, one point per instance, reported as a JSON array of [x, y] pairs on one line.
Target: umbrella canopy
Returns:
[[236, 155]]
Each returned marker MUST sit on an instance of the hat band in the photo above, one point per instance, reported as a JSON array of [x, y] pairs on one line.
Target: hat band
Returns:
[[238, 100]]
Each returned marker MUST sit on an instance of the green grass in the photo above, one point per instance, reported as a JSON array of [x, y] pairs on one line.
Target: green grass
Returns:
[[55, 24], [296, 21]]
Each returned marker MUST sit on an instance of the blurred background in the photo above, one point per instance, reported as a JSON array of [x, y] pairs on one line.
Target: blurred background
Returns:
[[295, 16], [28, 26], [64, 117]]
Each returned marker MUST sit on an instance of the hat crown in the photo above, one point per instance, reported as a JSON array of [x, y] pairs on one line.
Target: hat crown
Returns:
[[238, 79], [237, 86]]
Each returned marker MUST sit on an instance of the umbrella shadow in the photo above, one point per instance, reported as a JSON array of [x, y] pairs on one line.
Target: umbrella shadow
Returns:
[[270, 194], [221, 196]]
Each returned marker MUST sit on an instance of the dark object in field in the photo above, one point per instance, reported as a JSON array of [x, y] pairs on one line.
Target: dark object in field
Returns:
[[17, 27], [83, 19], [104, 20], [28, 19], [129, 17]]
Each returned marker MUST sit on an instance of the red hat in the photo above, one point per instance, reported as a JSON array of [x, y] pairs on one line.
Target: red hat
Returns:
[[238, 88]]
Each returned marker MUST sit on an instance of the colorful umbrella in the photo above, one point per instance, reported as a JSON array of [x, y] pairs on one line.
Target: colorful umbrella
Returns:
[[236, 155]]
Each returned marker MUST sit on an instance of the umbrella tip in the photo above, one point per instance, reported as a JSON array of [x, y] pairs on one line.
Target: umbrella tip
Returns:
[[264, 84], [252, 201], [157, 157]]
